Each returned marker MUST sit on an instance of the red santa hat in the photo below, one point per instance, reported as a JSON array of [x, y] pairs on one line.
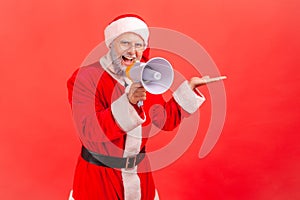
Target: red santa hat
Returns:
[[126, 23]]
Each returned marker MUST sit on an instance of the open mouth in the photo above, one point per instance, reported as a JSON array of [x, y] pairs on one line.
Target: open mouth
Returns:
[[127, 61]]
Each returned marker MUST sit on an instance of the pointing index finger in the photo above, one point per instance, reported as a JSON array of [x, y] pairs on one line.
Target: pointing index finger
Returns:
[[209, 80]]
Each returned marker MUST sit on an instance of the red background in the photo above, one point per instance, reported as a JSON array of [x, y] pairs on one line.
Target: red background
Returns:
[[255, 43]]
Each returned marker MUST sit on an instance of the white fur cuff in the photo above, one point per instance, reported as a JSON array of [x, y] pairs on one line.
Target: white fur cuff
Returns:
[[187, 98], [125, 114]]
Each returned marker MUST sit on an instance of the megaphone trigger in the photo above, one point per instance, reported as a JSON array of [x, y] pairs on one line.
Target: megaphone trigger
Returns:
[[140, 103]]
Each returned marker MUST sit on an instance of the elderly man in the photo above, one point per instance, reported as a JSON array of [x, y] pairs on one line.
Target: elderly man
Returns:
[[113, 129]]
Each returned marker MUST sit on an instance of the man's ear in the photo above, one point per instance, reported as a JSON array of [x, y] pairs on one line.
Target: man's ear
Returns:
[[146, 55]]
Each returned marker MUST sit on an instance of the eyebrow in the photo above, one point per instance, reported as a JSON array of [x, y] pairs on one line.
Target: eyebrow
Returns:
[[127, 40]]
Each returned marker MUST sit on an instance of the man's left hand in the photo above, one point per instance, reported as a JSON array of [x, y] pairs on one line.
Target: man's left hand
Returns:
[[197, 81]]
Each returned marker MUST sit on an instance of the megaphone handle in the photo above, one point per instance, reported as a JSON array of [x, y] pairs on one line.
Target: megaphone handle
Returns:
[[140, 103]]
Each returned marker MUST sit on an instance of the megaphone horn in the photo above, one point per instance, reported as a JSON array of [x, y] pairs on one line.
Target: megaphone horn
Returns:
[[156, 75]]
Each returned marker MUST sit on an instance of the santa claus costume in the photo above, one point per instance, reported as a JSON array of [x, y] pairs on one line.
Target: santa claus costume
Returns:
[[113, 163]]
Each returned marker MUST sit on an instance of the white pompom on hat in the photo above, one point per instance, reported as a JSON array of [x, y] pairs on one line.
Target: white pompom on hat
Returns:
[[123, 24]]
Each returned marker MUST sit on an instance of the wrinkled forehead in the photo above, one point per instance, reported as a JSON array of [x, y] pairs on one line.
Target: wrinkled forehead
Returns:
[[131, 37]]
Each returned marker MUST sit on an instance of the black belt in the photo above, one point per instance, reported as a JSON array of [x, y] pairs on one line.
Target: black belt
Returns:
[[110, 161]]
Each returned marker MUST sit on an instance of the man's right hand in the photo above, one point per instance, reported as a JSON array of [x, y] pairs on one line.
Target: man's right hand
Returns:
[[136, 93]]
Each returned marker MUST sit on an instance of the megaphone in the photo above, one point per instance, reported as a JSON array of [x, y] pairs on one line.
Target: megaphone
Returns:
[[156, 75]]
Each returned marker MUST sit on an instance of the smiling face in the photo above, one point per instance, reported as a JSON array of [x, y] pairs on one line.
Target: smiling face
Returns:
[[128, 48]]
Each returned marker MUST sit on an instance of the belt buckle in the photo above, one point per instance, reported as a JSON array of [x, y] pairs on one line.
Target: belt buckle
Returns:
[[128, 162]]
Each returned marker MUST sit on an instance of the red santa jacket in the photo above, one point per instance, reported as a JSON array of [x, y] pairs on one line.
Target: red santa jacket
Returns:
[[107, 123]]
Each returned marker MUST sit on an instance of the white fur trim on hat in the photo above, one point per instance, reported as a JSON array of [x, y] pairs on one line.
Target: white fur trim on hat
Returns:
[[124, 25]]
